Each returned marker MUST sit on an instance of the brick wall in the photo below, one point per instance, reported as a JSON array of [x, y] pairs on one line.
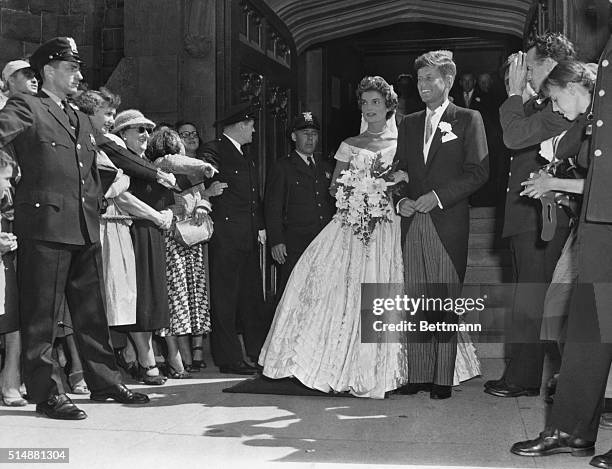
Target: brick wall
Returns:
[[25, 24]]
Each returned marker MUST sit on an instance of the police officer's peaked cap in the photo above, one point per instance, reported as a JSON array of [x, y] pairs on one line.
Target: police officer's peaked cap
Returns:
[[240, 113], [305, 120], [58, 48]]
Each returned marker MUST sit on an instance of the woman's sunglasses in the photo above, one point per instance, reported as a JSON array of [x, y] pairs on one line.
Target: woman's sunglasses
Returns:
[[188, 134], [141, 129]]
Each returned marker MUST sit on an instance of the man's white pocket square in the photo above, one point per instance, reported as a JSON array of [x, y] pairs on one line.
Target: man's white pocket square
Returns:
[[447, 137]]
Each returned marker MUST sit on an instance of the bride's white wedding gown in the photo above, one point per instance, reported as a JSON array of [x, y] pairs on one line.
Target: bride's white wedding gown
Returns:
[[316, 333]]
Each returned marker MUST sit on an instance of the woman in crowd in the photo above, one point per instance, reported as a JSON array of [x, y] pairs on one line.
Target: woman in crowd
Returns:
[[152, 311], [10, 377], [569, 86], [315, 336], [117, 248], [185, 265], [191, 332]]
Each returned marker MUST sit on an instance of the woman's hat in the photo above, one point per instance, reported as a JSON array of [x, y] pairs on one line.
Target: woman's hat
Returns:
[[12, 67], [131, 118]]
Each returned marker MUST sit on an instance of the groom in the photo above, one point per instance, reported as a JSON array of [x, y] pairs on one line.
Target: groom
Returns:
[[444, 151]]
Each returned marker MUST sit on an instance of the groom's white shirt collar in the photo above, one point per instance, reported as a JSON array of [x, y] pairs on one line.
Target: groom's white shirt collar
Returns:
[[436, 115]]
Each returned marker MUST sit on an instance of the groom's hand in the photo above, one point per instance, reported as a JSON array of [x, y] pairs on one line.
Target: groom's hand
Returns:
[[406, 207], [426, 203]]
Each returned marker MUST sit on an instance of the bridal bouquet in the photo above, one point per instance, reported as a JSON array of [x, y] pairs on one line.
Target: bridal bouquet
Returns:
[[363, 198]]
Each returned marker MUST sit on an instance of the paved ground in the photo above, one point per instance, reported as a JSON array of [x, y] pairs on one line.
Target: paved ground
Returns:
[[192, 424]]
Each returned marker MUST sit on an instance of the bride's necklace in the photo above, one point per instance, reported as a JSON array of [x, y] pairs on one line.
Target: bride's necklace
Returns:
[[376, 133]]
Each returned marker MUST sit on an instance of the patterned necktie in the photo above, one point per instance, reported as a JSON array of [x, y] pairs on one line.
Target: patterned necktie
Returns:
[[428, 128], [466, 98]]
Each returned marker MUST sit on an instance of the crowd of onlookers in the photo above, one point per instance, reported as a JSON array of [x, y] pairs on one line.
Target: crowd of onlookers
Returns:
[[156, 293]]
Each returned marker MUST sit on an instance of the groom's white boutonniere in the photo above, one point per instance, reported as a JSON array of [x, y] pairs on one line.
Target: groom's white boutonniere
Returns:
[[447, 131]]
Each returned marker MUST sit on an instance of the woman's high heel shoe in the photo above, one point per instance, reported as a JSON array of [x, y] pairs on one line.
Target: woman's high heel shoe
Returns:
[[173, 374], [77, 383], [143, 377], [196, 365], [131, 368], [14, 401]]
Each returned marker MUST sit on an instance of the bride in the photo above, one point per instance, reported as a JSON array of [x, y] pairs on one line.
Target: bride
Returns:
[[315, 336]]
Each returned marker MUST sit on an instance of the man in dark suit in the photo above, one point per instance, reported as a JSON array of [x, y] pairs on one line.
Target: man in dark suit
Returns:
[[525, 126], [572, 426], [235, 274], [57, 210], [467, 96], [297, 202], [444, 150]]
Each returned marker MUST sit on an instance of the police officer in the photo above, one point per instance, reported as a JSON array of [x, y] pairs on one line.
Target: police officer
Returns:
[[57, 204], [235, 275], [297, 201]]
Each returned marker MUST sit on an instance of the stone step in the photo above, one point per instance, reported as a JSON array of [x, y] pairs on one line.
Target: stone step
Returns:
[[482, 257], [497, 295], [488, 274], [483, 212], [487, 240], [482, 240], [483, 225]]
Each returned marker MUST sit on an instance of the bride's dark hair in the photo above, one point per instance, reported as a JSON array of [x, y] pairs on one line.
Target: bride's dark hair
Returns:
[[385, 89]]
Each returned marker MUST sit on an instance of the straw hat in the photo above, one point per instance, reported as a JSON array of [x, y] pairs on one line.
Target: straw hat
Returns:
[[131, 118]]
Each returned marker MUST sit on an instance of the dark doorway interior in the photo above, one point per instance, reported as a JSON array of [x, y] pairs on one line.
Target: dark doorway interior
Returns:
[[389, 52]]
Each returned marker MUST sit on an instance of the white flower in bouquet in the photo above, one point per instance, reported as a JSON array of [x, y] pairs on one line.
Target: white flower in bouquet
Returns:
[[363, 199]]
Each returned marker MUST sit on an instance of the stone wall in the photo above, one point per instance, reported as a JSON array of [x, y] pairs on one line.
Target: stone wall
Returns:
[[168, 68], [112, 37], [25, 24]]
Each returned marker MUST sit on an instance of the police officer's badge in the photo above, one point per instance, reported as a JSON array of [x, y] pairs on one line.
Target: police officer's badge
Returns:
[[307, 116], [327, 175], [73, 45]]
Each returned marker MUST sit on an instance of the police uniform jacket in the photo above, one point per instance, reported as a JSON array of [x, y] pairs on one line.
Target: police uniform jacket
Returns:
[[58, 198], [598, 189], [297, 198], [237, 213], [525, 126]]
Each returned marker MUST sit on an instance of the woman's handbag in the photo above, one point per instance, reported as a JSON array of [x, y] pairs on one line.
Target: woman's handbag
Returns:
[[188, 233]]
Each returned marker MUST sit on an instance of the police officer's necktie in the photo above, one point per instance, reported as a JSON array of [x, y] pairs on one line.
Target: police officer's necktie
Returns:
[[72, 117], [311, 163]]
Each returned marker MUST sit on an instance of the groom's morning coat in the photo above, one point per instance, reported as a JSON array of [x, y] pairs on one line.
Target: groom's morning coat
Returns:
[[454, 170]]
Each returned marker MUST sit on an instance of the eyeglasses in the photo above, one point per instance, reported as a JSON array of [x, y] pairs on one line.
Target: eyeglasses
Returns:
[[141, 129], [28, 73], [188, 134]]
